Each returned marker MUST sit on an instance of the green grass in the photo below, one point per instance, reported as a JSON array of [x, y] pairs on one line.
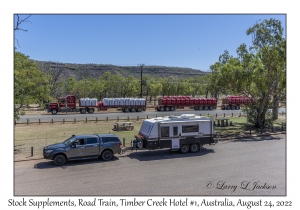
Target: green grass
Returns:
[[40, 135]]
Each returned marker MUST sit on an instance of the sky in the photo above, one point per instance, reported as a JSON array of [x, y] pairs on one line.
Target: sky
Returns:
[[179, 40]]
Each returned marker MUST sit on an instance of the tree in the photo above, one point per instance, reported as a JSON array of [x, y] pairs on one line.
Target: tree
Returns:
[[30, 84], [257, 72], [18, 22]]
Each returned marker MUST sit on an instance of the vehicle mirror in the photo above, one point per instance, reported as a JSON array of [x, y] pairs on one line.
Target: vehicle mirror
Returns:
[[74, 145]]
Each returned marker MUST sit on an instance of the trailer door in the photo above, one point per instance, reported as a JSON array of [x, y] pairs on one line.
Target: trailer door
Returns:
[[175, 137]]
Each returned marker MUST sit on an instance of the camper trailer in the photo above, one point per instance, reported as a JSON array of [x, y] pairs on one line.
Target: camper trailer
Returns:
[[186, 133]]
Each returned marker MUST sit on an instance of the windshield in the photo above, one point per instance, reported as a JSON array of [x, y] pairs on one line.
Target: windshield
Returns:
[[146, 128], [69, 140]]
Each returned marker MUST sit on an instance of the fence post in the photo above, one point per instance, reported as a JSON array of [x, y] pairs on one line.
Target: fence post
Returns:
[[260, 130], [27, 121], [147, 116], [224, 114], [31, 151], [96, 119], [52, 121], [86, 119], [64, 121], [137, 118], [106, 119], [123, 142], [250, 131], [118, 118], [240, 114], [74, 120], [39, 121], [216, 115], [232, 115], [127, 118], [282, 127]]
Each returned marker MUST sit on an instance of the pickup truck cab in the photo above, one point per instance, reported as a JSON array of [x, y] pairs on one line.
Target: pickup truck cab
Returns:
[[83, 147]]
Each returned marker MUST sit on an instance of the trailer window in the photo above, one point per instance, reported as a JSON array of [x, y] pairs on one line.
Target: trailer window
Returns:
[[190, 128], [175, 131], [164, 131]]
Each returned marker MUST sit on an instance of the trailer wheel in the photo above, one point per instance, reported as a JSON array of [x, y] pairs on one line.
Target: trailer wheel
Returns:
[[184, 149], [238, 107], [126, 109], [161, 108], [91, 111], [194, 148], [205, 107], [172, 108], [167, 108], [82, 111], [233, 107], [211, 107], [54, 111], [106, 155], [139, 109], [228, 107], [59, 160], [196, 108], [132, 110]]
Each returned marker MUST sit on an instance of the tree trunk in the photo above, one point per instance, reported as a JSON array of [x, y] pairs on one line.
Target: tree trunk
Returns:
[[275, 107]]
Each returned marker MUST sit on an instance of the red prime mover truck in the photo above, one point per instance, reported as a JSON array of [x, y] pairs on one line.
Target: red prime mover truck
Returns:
[[171, 103], [88, 105]]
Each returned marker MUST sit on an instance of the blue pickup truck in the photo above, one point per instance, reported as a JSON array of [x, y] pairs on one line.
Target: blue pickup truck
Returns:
[[83, 147]]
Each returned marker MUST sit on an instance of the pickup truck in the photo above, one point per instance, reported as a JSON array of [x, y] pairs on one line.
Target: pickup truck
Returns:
[[83, 147]]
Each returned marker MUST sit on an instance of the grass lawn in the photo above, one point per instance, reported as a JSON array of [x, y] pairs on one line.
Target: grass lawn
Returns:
[[37, 136]]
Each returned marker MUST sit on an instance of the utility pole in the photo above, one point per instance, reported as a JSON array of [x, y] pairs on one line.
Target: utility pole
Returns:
[[141, 94]]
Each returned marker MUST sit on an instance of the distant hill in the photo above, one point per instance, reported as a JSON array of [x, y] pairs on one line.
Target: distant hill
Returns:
[[79, 71]]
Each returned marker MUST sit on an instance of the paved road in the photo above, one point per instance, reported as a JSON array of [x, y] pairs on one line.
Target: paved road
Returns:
[[103, 115], [241, 167]]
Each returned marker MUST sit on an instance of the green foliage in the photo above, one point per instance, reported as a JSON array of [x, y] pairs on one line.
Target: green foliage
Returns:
[[258, 72], [30, 84]]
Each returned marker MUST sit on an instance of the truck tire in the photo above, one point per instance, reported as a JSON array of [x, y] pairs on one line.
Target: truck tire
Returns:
[[54, 111], [139, 109], [167, 108], [82, 111], [132, 110], [205, 107], [106, 155], [184, 149], [211, 107], [194, 148], [126, 109], [91, 110], [228, 107], [238, 107], [172, 108], [59, 160]]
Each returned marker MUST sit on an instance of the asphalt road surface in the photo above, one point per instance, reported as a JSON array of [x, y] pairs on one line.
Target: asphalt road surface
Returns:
[[113, 115], [240, 167]]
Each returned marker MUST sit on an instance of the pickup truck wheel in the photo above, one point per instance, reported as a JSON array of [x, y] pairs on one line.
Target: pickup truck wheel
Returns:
[[59, 160], [194, 148], [184, 149], [54, 111], [106, 155]]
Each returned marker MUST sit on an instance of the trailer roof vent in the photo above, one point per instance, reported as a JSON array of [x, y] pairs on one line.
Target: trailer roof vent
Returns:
[[187, 116]]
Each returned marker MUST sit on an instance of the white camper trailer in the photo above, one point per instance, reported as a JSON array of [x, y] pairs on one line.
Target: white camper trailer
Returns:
[[186, 133]]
